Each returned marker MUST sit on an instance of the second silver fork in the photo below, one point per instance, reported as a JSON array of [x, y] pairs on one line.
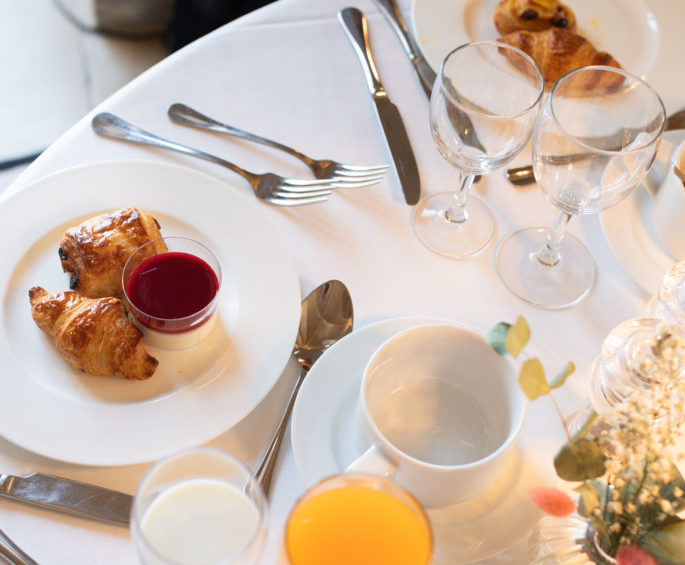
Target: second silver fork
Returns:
[[267, 186], [345, 176]]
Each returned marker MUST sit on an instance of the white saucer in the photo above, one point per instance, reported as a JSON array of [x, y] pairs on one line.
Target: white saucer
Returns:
[[325, 442], [629, 229]]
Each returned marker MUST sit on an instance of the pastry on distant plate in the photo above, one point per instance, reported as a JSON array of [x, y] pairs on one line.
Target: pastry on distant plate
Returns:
[[96, 251], [92, 334], [533, 15], [558, 51]]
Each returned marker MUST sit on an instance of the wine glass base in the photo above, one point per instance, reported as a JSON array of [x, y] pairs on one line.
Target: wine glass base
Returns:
[[456, 240], [551, 287]]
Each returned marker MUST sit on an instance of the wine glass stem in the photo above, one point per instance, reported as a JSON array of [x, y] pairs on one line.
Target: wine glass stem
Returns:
[[548, 254], [457, 213]]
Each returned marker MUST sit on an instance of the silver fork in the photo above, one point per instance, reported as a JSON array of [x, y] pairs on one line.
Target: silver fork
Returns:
[[268, 186], [346, 176]]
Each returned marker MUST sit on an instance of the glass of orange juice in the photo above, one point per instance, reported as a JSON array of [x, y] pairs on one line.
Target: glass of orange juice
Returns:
[[358, 519]]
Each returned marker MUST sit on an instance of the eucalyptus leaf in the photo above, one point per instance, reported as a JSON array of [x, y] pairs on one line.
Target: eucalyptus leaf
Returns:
[[666, 543], [589, 498], [517, 337], [580, 460], [532, 379], [561, 377], [592, 418], [497, 337]]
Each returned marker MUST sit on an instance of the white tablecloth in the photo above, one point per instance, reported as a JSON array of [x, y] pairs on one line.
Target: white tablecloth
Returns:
[[289, 72]]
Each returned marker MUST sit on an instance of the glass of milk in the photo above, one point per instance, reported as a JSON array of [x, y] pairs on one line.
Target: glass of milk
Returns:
[[201, 506]]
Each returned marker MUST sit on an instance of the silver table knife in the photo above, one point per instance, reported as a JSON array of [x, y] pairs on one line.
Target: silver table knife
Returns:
[[427, 76], [72, 497], [355, 26]]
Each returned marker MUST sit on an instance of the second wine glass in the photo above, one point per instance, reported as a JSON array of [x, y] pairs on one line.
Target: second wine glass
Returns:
[[594, 141], [483, 107]]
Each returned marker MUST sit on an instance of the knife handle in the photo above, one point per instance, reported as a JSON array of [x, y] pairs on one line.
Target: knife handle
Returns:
[[10, 551], [356, 29], [392, 13]]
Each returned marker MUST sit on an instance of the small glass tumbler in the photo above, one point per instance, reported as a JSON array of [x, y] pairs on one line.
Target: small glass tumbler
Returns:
[[173, 296], [360, 519], [201, 506]]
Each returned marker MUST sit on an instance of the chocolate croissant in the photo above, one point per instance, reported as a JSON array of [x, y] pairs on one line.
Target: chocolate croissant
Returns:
[[96, 251], [533, 15], [92, 334], [558, 51]]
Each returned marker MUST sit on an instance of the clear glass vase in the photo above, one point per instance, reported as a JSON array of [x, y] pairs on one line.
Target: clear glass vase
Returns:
[[619, 369], [566, 541]]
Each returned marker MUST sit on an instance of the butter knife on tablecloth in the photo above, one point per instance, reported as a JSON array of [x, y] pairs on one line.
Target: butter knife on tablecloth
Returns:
[[72, 497], [427, 76], [355, 26]]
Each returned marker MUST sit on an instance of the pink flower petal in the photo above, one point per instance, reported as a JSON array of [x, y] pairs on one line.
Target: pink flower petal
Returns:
[[629, 555], [552, 501]]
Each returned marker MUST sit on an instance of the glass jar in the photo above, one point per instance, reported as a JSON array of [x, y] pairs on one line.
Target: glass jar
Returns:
[[566, 541], [619, 369]]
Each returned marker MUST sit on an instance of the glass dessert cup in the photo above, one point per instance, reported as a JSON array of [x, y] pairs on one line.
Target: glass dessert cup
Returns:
[[477, 129], [594, 140], [173, 296]]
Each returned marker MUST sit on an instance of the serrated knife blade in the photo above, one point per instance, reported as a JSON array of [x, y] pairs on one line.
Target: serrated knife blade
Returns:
[[356, 29], [66, 495]]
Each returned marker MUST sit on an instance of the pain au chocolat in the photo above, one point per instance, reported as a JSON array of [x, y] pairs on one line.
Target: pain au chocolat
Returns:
[[94, 252]]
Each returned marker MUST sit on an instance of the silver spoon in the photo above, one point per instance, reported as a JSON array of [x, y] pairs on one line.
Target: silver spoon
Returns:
[[326, 317], [522, 176]]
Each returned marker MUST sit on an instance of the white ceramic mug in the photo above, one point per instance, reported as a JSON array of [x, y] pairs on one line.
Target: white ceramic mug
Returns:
[[668, 212], [442, 409]]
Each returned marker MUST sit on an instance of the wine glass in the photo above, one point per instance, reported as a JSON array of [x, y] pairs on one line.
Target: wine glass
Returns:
[[594, 141], [483, 108]]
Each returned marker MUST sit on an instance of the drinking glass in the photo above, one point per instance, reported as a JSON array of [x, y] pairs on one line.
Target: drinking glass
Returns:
[[358, 519], [201, 506], [594, 141], [483, 107]]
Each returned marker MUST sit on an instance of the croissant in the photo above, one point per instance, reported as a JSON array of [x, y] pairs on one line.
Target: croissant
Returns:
[[96, 251], [92, 334], [533, 15], [558, 51]]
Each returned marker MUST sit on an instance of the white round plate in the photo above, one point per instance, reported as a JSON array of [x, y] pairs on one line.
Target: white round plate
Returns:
[[625, 28], [325, 441], [195, 394], [629, 229]]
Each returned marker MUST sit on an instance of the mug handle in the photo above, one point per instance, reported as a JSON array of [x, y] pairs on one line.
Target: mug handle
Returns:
[[372, 461]]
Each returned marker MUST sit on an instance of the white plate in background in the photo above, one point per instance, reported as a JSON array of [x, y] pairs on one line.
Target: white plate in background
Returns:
[[627, 29], [629, 228]]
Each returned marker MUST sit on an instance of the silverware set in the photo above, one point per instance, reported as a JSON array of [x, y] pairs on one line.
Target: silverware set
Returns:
[[269, 187]]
